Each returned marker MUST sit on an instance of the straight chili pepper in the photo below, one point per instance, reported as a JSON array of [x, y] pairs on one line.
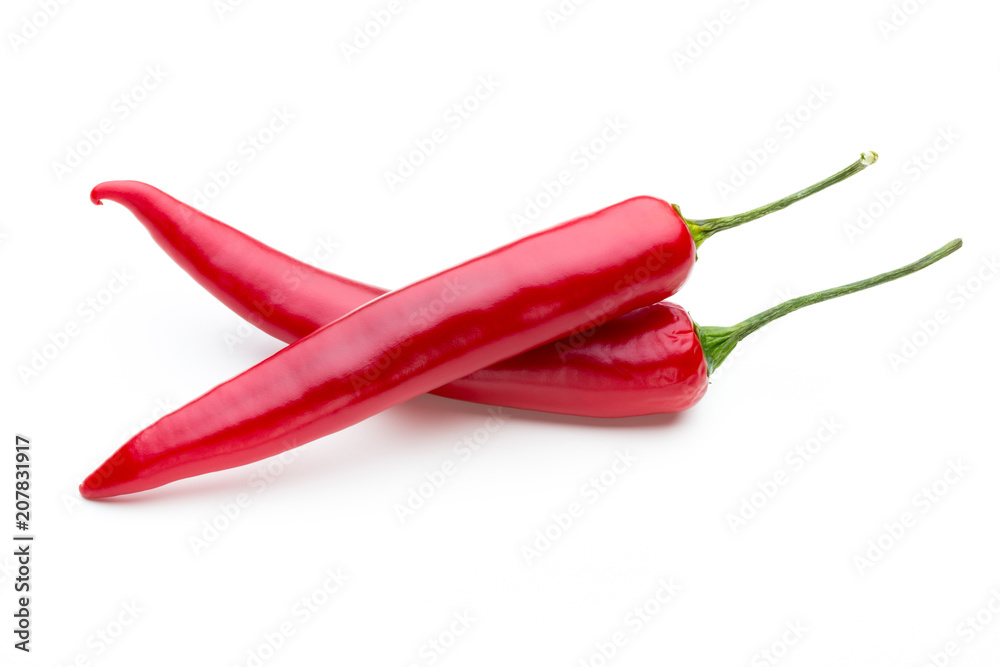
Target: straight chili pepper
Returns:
[[285, 400], [290, 299]]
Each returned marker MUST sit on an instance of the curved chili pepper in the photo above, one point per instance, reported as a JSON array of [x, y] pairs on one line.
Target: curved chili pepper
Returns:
[[312, 388], [618, 370]]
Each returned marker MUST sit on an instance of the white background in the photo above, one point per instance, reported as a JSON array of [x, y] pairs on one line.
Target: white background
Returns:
[[163, 341]]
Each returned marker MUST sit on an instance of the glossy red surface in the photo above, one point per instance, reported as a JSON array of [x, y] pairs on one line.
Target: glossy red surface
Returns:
[[646, 362], [282, 296], [569, 278]]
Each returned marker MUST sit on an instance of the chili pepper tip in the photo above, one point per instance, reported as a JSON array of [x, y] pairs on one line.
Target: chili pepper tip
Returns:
[[87, 491], [95, 485], [94, 488], [95, 198], [116, 476]]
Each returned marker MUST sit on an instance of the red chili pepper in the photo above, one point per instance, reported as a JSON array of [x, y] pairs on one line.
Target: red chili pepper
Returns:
[[315, 386], [581, 375]]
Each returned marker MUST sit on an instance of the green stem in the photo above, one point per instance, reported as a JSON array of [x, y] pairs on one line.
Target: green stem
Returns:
[[702, 229], [718, 342]]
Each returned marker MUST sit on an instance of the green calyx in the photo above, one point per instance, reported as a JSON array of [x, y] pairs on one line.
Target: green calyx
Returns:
[[702, 229], [718, 342]]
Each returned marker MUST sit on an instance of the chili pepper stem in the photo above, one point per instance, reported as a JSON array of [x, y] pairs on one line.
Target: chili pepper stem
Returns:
[[718, 342], [702, 229]]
